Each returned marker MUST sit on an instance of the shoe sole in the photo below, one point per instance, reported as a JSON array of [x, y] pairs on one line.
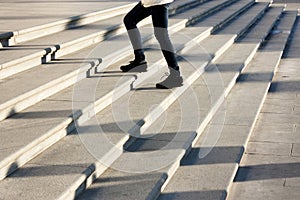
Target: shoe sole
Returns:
[[140, 68], [169, 87]]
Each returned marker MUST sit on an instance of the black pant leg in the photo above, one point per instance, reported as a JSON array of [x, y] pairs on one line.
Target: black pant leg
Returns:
[[160, 23], [137, 14]]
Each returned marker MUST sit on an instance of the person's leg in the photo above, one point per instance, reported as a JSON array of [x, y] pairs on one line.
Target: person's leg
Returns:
[[160, 23], [138, 13]]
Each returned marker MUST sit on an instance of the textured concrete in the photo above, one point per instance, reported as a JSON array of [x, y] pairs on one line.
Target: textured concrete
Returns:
[[173, 124], [45, 178], [67, 167], [218, 151], [270, 166], [110, 128], [218, 43], [32, 88], [60, 38], [62, 98], [39, 12]]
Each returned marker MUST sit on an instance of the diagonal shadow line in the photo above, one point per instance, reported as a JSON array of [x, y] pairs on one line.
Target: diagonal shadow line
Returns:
[[268, 171]]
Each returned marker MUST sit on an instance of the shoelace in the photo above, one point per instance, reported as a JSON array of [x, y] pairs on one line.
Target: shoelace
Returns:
[[166, 74]]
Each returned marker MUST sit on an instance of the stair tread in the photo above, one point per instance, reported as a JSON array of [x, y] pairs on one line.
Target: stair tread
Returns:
[[219, 157]]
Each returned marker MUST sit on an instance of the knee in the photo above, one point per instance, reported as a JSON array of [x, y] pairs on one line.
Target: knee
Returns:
[[128, 22]]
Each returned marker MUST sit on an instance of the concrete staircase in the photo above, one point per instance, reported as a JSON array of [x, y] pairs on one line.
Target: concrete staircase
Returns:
[[73, 126]]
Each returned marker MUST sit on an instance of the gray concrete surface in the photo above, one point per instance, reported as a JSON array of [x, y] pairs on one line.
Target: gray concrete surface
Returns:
[[143, 146], [270, 166], [39, 12], [67, 100], [65, 97], [210, 176], [62, 174]]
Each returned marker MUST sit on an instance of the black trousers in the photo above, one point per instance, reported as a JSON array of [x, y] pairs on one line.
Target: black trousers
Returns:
[[159, 14]]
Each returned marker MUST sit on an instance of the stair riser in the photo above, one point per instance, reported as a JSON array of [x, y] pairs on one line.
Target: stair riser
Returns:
[[19, 67]]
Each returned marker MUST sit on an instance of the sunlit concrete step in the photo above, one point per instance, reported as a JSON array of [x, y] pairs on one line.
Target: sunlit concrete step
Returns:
[[118, 136], [151, 160], [41, 25], [27, 95], [32, 53], [207, 172], [27, 55]]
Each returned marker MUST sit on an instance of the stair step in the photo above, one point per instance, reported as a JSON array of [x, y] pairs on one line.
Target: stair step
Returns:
[[106, 117], [28, 32], [179, 6], [242, 24], [217, 153], [30, 54], [33, 92], [144, 154], [38, 51], [36, 31]]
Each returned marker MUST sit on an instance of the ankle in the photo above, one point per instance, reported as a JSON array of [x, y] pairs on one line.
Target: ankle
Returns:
[[139, 55], [174, 71]]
